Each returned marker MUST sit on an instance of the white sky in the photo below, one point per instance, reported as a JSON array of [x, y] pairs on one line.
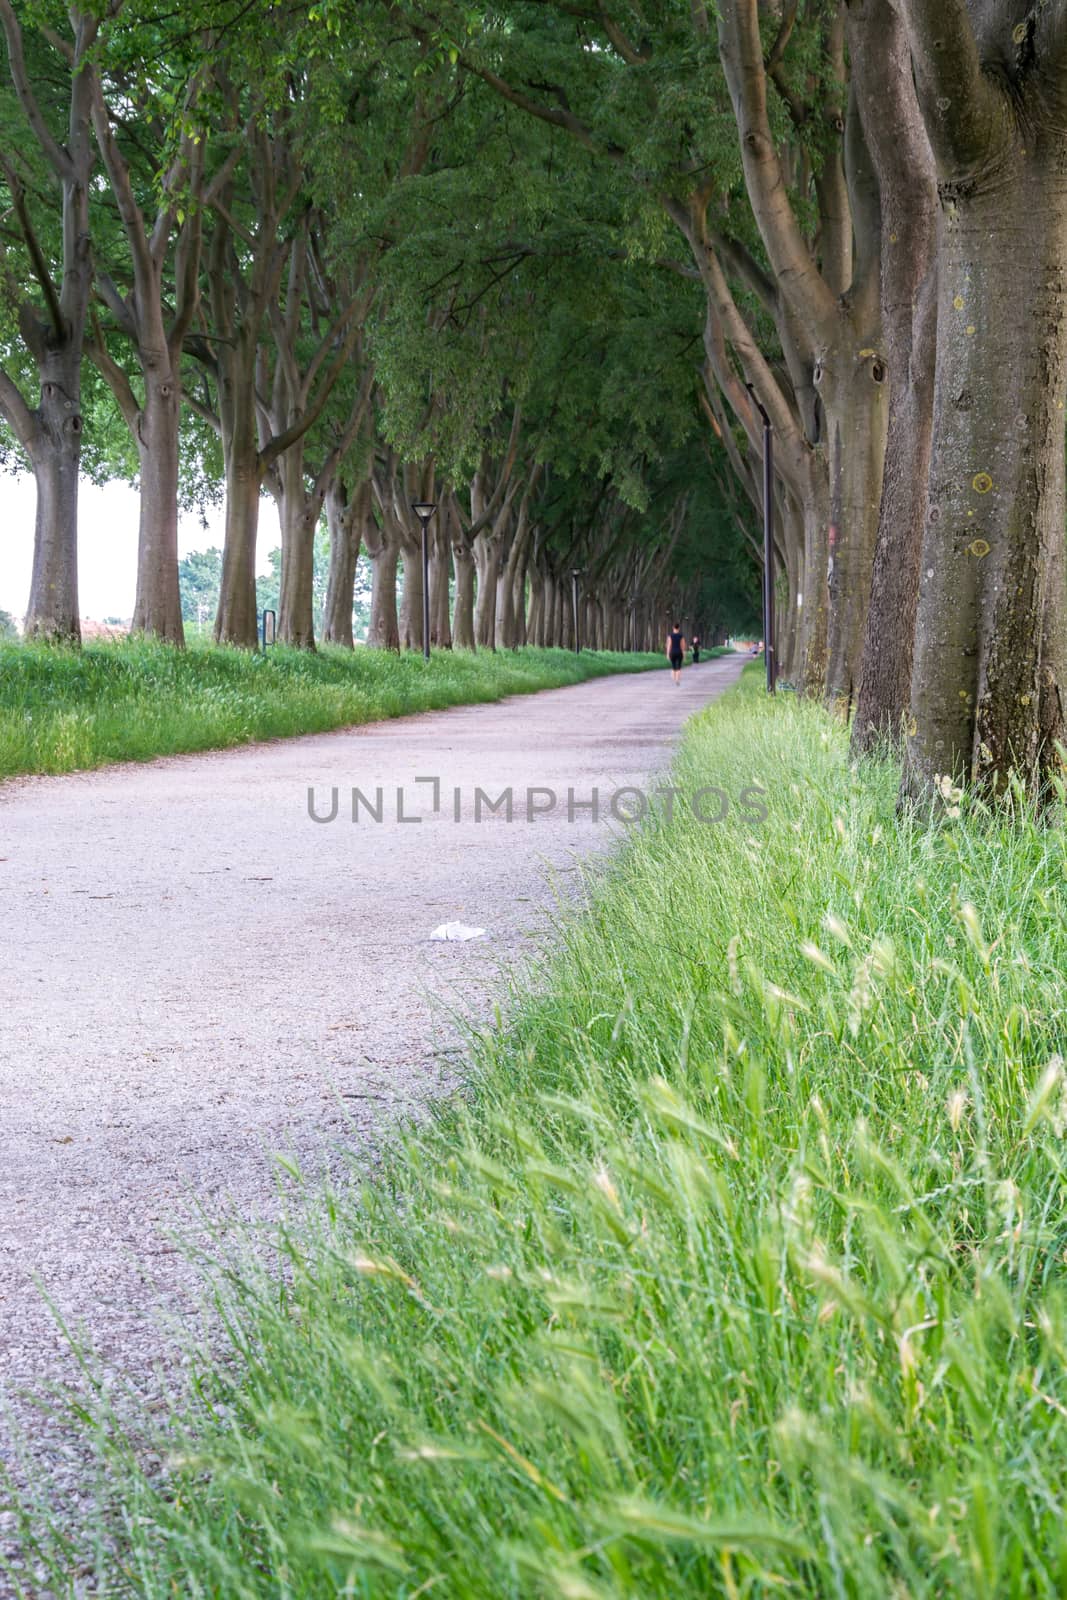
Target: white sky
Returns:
[[107, 544]]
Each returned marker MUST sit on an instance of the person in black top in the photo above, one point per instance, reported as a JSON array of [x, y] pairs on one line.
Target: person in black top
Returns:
[[676, 652], [696, 649]]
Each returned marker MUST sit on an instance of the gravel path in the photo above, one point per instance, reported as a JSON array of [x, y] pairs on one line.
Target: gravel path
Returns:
[[197, 975]]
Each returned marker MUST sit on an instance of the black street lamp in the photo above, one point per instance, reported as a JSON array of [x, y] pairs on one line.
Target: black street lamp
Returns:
[[770, 660], [424, 510], [575, 575]]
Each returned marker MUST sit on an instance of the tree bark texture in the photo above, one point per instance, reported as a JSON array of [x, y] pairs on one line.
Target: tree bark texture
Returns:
[[346, 516], [989, 677], [900, 149]]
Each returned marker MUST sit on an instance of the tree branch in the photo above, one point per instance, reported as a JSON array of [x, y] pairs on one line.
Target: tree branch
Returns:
[[114, 376], [118, 172], [112, 297], [356, 417], [301, 425], [222, 177], [629, 53], [739, 260], [741, 52], [555, 117], [865, 208], [899, 147], [960, 106], [187, 254], [33, 246], [58, 158], [22, 421], [204, 411], [833, 185], [239, 231], [785, 33]]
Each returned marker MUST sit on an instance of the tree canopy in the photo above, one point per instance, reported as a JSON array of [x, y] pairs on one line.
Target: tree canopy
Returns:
[[548, 266]]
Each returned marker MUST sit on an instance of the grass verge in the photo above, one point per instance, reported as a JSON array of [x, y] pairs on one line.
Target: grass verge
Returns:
[[62, 709], [740, 1273]]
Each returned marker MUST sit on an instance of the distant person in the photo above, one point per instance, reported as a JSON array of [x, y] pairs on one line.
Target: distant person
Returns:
[[696, 649], [676, 652]]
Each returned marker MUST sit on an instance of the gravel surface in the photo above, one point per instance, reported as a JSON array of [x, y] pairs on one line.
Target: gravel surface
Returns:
[[198, 976]]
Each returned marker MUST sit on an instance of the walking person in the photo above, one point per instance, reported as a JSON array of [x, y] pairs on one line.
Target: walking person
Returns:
[[696, 649], [676, 652]]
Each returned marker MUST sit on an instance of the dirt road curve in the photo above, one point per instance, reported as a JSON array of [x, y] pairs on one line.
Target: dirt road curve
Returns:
[[195, 974]]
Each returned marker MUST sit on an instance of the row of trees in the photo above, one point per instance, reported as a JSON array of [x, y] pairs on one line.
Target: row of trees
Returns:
[[546, 265], [239, 260], [872, 196]]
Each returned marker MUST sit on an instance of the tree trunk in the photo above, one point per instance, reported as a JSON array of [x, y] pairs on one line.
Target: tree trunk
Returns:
[[569, 620], [561, 623], [485, 605], [511, 575], [816, 607], [504, 632], [411, 597], [237, 620], [299, 516], [384, 630], [51, 435], [158, 337], [158, 607], [851, 377], [52, 612], [549, 613], [536, 612], [518, 603], [440, 574], [856, 402], [792, 615], [463, 614], [889, 636], [904, 161], [988, 680], [345, 517]]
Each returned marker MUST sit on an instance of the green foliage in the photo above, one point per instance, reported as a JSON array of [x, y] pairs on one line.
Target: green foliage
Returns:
[[517, 243], [513, 268], [740, 1270], [8, 626], [200, 578], [63, 710]]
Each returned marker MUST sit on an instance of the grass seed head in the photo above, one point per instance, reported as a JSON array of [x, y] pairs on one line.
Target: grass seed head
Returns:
[[955, 1106]]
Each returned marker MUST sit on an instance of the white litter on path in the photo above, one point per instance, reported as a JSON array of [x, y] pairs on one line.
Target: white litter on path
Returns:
[[457, 930]]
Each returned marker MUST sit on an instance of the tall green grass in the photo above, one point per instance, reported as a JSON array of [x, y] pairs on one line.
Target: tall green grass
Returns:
[[130, 701], [740, 1272]]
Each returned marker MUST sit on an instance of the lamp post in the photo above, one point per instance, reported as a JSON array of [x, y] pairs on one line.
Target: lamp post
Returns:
[[769, 657], [424, 510], [575, 575]]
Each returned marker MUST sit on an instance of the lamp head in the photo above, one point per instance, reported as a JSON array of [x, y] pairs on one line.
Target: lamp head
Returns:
[[424, 509]]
